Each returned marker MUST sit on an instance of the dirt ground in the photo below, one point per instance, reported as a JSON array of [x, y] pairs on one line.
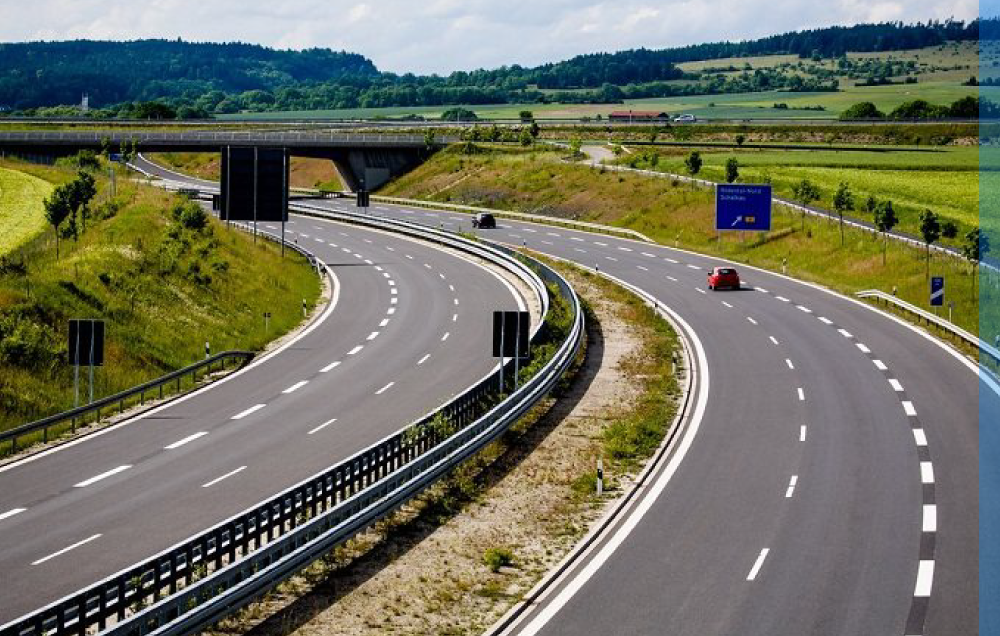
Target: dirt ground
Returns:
[[424, 573]]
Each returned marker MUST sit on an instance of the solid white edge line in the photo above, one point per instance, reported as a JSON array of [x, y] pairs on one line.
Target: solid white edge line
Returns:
[[244, 413], [322, 426], [67, 549], [226, 476], [104, 475], [189, 438], [758, 564]]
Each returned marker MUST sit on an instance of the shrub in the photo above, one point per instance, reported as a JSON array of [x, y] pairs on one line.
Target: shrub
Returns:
[[496, 558]]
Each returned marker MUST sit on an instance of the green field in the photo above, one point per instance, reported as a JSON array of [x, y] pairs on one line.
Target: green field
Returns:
[[163, 288], [21, 214], [945, 180]]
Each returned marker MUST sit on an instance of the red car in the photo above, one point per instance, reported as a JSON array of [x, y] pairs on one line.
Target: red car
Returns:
[[723, 277]]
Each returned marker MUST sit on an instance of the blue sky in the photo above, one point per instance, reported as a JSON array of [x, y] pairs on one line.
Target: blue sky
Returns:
[[444, 35]]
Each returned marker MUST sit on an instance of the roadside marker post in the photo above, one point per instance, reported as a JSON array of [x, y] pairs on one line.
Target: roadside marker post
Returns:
[[600, 476], [208, 350]]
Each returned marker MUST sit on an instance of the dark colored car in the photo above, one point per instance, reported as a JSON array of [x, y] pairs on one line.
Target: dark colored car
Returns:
[[723, 277], [484, 221]]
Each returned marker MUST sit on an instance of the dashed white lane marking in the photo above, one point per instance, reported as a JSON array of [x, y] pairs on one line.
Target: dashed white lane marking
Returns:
[[625, 249], [805, 309], [863, 348], [700, 290], [825, 320], [408, 256], [391, 310], [385, 321], [346, 249], [10, 513], [384, 389], [372, 335], [369, 261], [424, 359], [926, 473], [322, 426], [845, 333], [908, 408], [576, 238], [454, 317], [296, 386], [456, 301], [547, 243], [390, 248], [930, 518], [896, 386], [445, 336], [645, 269], [671, 260], [672, 279], [782, 299], [752, 321], [355, 350], [879, 365], [393, 291], [226, 476], [387, 275], [802, 395], [773, 340], [333, 245], [104, 475], [441, 275], [67, 549], [393, 300], [601, 244], [693, 266], [758, 564], [553, 234], [330, 367], [789, 363], [532, 231], [451, 288], [791, 486], [189, 438], [649, 255], [304, 235], [577, 249], [919, 437], [378, 268], [925, 579], [802, 433], [428, 266], [252, 409], [761, 290], [727, 304]]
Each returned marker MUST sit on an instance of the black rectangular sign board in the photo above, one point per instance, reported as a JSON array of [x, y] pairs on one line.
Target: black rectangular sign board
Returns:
[[512, 329], [364, 198], [238, 167], [272, 185], [86, 343]]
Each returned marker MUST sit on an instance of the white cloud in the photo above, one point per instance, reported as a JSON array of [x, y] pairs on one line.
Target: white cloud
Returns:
[[445, 35]]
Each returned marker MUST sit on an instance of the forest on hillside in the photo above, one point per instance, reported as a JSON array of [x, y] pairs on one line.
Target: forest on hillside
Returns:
[[172, 78]]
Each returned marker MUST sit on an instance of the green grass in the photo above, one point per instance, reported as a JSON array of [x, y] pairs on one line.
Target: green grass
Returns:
[[21, 213], [675, 213], [163, 290], [945, 180]]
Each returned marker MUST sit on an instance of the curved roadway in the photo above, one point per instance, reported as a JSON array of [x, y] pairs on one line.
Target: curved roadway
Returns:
[[408, 329], [830, 485]]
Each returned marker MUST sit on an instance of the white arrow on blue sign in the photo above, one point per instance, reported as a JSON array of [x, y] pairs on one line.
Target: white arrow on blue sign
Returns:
[[937, 291]]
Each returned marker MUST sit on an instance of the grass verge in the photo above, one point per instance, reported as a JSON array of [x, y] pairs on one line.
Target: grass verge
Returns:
[[21, 214]]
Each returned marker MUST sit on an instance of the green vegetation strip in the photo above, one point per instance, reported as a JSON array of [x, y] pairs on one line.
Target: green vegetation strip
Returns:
[[167, 279], [21, 214]]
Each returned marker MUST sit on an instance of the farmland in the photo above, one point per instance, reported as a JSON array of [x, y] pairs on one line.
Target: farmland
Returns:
[[21, 214]]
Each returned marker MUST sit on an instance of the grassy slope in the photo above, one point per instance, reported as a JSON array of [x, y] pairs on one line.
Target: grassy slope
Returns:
[[945, 181], [159, 313], [21, 212], [539, 182]]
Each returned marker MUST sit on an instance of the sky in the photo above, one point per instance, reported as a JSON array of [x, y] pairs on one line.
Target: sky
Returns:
[[440, 36]]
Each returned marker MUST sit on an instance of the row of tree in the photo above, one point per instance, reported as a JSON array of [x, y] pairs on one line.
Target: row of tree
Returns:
[[69, 203], [968, 107]]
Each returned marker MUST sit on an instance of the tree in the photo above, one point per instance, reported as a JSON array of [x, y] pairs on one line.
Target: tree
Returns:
[[740, 139], [459, 114], [805, 192], [429, 138], [949, 229], [930, 230], [574, 147], [693, 163], [732, 170], [885, 219], [534, 129], [843, 201], [527, 116], [82, 191], [525, 137], [864, 110], [975, 247], [57, 208]]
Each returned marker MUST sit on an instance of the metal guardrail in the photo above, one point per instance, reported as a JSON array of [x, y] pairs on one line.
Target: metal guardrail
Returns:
[[218, 137], [932, 319], [207, 577], [538, 218], [153, 389]]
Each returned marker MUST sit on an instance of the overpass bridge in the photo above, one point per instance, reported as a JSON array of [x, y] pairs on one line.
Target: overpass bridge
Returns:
[[364, 161]]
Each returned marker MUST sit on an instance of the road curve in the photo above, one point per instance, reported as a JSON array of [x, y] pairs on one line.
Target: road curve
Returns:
[[409, 330], [832, 486]]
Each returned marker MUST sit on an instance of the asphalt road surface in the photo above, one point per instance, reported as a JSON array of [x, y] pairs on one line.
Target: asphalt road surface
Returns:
[[410, 328]]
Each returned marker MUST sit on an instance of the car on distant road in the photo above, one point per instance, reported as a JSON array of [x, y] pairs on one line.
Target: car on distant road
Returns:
[[685, 118], [723, 277], [484, 220]]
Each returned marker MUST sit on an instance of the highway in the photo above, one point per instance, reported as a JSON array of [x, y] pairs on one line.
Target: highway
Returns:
[[827, 484], [408, 327]]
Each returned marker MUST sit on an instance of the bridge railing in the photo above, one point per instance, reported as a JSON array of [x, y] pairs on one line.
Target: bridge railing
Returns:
[[210, 576], [207, 138]]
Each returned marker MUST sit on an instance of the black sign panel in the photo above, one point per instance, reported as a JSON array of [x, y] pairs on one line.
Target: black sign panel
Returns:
[[237, 184], [86, 343], [272, 185], [512, 329], [364, 198], [216, 202]]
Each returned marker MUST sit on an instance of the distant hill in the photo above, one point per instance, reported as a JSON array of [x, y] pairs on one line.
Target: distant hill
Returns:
[[190, 79]]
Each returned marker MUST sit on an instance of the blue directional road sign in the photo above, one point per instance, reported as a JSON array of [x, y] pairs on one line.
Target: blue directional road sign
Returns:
[[743, 207], [937, 291]]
